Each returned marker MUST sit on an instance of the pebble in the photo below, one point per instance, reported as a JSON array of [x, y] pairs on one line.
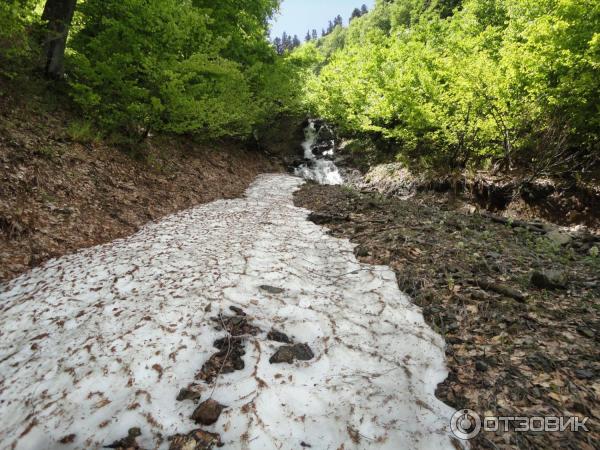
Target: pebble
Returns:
[[481, 366], [208, 412]]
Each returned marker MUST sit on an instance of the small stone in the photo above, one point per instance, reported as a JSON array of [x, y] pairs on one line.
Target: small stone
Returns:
[[238, 311], [584, 374], [196, 440], [480, 295], [192, 392], [289, 353], [481, 366], [586, 332], [552, 279], [541, 362], [278, 336], [134, 432], [208, 412], [284, 354], [272, 289], [129, 442], [452, 326], [69, 439], [303, 352], [493, 255], [361, 252]]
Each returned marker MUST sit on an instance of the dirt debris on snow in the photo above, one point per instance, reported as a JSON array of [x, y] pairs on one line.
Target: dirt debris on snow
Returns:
[[196, 440], [129, 442], [113, 315], [290, 353], [513, 349]]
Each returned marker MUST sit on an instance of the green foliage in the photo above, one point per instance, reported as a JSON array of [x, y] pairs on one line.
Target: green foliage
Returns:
[[178, 66], [82, 131], [453, 84], [17, 46], [175, 66]]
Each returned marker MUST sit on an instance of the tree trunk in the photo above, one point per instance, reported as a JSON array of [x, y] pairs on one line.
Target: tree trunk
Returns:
[[59, 14]]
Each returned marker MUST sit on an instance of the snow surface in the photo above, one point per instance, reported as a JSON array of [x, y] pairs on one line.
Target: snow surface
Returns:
[[80, 335]]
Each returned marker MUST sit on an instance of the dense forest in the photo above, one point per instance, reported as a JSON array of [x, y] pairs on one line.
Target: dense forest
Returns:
[[165, 66], [459, 84], [437, 84]]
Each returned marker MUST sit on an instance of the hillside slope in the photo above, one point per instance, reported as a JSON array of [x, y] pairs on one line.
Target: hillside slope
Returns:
[[63, 189]]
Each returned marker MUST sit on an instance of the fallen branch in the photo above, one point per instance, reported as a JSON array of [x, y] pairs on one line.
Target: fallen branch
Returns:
[[501, 289]]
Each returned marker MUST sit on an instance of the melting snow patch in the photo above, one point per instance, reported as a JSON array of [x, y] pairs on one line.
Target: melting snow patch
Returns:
[[102, 341]]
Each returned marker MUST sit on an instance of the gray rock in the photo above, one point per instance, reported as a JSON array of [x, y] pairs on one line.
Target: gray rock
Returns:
[[493, 255], [586, 332], [361, 252], [278, 336], [539, 361], [551, 279], [190, 393], [481, 366], [289, 353], [559, 238], [325, 134], [584, 374], [303, 352], [284, 354], [272, 289], [238, 311]]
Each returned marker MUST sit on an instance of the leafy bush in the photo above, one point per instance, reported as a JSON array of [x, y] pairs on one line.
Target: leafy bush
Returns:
[[496, 80], [170, 65], [82, 131], [17, 46]]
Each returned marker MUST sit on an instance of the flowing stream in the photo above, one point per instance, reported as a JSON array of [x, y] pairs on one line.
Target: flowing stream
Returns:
[[318, 168]]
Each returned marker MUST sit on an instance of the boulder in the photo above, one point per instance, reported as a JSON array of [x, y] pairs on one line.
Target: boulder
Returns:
[[325, 135], [559, 238], [551, 279]]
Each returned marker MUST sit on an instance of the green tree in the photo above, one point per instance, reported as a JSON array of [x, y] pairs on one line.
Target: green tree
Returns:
[[169, 65], [452, 84]]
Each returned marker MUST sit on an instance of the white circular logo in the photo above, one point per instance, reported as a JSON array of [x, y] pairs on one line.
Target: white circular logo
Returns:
[[465, 424]]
